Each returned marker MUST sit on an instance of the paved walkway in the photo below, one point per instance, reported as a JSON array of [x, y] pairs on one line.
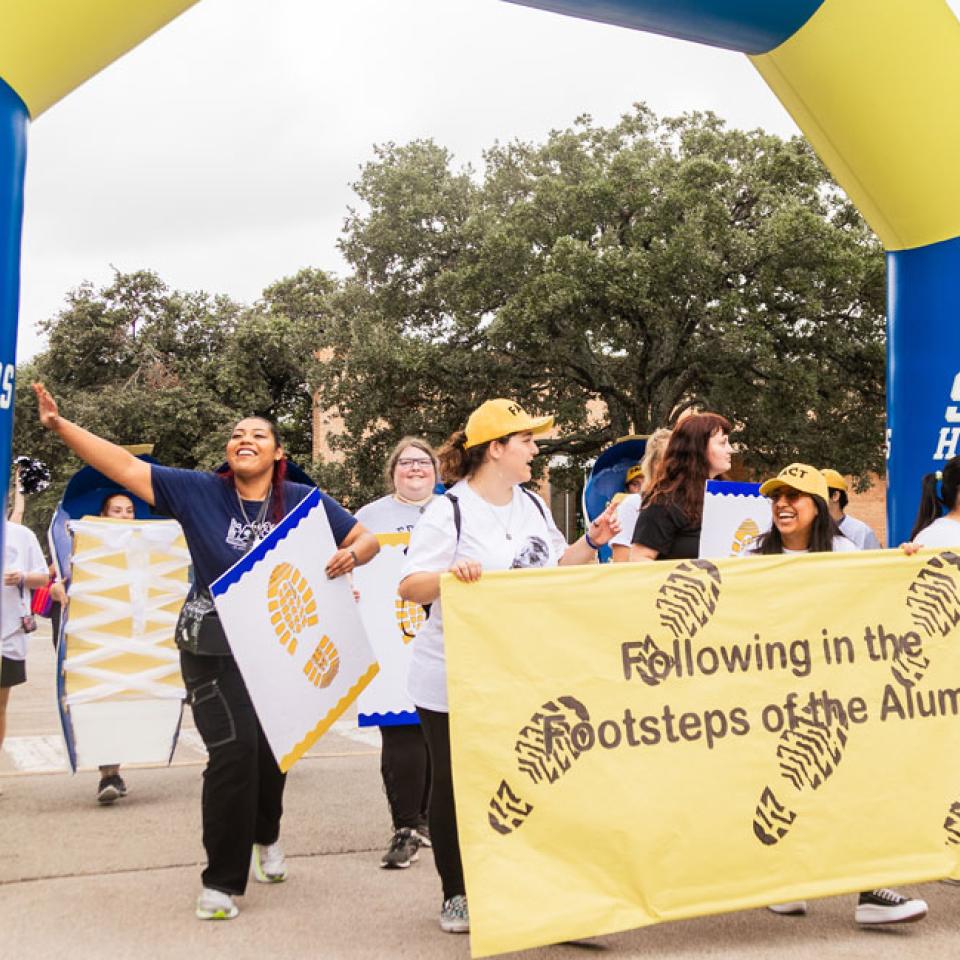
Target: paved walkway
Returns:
[[79, 881]]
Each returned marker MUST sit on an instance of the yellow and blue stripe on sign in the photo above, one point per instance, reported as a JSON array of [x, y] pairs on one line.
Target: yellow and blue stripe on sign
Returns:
[[750, 26]]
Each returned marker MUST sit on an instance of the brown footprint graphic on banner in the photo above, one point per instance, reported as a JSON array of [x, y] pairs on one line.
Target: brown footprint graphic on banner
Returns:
[[686, 602], [933, 599], [808, 755], [951, 824], [546, 749]]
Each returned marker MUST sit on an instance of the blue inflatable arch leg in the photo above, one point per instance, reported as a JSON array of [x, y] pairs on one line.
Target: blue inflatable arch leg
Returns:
[[13, 156]]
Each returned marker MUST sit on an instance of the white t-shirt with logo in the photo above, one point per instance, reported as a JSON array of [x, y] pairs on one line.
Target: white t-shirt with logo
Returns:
[[943, 532], [857, 531], [534, 541], [628, 509], [390, 515], [21, 551]]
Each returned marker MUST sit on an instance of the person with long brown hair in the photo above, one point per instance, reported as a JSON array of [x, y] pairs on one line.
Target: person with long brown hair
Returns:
[[487, 521], [668, 527], [223, 515]]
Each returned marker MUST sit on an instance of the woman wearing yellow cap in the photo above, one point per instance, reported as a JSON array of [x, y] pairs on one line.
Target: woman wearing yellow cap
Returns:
[[799, 499], [802, 523], [486, 521]]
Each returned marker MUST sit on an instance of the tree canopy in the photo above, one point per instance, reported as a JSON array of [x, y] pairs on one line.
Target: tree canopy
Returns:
[[612, 276], [139, 363]]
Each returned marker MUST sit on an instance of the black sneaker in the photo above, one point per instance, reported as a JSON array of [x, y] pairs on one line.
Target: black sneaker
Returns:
[[404, 850], [111, 789], [887, 906]]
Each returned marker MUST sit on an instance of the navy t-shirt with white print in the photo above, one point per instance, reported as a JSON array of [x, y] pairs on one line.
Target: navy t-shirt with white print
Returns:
[[215, 528]]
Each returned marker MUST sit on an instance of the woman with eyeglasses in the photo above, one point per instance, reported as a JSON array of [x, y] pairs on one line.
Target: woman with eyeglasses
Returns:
[[411, 476], [668, 527], [487, 521], [799, 498]]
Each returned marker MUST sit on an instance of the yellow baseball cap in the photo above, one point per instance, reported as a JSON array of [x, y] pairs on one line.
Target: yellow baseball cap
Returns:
[[800, 476], [634, 473], [834, 480], [499, 418]]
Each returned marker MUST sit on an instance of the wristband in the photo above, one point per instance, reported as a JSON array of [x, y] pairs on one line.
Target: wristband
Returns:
[[590, 543]]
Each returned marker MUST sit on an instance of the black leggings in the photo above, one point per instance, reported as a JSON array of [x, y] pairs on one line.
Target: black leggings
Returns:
[[443, 814], [405, 766]]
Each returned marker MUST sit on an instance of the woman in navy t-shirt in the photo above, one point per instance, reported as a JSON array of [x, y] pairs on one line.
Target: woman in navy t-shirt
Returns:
[[222, 516]]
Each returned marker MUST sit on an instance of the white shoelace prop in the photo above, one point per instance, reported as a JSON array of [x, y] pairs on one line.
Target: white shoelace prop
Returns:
[[129, 580]]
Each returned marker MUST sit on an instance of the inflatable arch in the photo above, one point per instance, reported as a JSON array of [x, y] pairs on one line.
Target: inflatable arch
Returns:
[[873, 84]]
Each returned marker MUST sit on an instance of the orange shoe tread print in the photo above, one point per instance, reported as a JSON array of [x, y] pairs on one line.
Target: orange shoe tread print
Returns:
[[291, 604]]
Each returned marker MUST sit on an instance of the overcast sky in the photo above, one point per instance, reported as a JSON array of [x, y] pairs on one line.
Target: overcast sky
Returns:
[[219, 153]]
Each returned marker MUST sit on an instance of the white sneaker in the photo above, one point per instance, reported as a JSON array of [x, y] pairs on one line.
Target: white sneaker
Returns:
[[887, 906], [454, 916], [269, 864], [215, 905], [794, 908]]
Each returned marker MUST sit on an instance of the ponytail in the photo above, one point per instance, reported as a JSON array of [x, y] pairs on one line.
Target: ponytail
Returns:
[[938, 495], [457, 461]]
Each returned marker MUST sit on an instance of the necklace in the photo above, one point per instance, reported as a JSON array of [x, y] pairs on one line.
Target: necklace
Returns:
[[256, 524], [496, 516]]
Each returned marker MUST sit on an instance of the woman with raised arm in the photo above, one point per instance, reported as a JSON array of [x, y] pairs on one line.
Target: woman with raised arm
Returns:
[[223, 516], [486, 521], [668, 527]]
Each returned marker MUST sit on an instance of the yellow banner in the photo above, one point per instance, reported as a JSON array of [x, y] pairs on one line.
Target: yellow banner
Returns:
[[645, 742]]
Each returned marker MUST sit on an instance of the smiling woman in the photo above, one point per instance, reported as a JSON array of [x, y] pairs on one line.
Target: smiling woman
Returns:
[[486, 521], [223, 516]]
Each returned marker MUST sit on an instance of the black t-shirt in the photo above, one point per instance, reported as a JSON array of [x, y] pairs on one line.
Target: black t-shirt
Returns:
[[664, 527]]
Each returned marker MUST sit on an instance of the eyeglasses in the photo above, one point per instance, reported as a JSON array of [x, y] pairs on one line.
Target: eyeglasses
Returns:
[[408, 462], [788, 493]]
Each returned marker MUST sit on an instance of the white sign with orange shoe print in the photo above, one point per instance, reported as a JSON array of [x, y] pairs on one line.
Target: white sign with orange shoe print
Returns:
[[391, 625], [734, 516], [296, 635]]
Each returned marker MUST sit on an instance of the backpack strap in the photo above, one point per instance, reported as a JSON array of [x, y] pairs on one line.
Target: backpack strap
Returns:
[[457, 518], [536, 502]]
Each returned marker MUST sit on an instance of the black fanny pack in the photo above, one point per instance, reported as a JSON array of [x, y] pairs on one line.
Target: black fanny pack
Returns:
[[199, 630]]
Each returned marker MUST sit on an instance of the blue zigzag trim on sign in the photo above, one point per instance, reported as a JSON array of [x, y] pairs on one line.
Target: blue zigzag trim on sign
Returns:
[[402, 719], [267, 545], [729, 488]]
